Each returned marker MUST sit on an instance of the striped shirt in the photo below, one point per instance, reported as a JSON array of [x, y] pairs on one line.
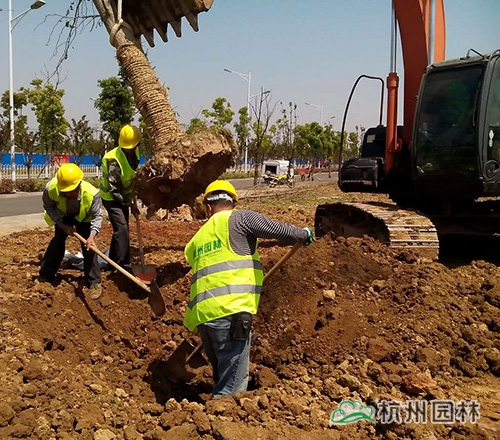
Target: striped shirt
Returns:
[[245, 227]]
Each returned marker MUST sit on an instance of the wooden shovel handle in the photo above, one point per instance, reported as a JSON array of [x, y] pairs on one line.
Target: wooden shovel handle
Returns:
[[116, 266], [282, 260], [139, 234]]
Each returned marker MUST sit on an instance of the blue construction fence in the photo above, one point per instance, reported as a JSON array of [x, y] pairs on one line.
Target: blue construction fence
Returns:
[[42, 159]]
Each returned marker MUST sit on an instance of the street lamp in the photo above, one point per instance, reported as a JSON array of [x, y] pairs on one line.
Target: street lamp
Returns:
[[248, 79], [330, 118], [320, 108], [36, 5]]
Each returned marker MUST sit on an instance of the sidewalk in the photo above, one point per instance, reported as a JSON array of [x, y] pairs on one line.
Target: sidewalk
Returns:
[[17, 223]]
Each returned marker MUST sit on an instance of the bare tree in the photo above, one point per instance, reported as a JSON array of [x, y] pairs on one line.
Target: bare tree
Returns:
[[262, 111]]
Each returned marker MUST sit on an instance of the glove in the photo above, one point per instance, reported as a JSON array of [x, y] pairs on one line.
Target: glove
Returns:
[[310, 237]]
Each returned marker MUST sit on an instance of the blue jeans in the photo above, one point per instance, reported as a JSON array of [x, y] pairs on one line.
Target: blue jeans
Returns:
[[230, 358]]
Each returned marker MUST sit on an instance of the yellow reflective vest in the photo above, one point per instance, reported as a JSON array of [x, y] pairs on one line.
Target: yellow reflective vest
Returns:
[[127, 172], [87, 193], [223, 283]]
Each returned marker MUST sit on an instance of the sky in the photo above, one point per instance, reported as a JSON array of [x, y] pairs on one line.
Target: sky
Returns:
[[303, 51]]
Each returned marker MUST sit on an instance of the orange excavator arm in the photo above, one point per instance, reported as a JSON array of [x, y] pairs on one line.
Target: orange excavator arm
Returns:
[[414, 21]]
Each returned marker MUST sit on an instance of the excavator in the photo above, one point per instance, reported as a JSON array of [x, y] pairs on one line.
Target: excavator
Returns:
[[441, 166]]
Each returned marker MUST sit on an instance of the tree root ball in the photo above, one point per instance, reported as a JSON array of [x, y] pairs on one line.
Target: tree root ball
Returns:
[[180, 172]]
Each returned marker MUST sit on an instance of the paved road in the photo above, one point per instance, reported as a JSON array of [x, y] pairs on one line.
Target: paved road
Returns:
[[20, 204]]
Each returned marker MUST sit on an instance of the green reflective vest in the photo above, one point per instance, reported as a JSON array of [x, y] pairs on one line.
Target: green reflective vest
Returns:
[[223, 283], [127, 172], [87, 193]]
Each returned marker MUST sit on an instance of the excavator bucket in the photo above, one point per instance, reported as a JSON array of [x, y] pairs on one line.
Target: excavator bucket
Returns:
[[147, 16]]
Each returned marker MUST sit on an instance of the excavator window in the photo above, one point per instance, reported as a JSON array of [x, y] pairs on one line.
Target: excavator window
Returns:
[[446, 134]]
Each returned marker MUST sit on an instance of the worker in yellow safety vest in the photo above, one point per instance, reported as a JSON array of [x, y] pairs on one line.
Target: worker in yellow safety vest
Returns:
[[119, 168], [227, 281], [72, 204]]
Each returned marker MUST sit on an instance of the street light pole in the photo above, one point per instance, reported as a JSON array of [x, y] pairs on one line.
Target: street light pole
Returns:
[[11, 104], [248, 79], [36, 5], [331, 118], [320, 108]]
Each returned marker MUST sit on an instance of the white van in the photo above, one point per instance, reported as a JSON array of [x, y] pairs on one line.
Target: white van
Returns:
[[276, 168]]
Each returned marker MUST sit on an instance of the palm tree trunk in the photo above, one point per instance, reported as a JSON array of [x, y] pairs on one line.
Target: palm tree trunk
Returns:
[[151, 97]]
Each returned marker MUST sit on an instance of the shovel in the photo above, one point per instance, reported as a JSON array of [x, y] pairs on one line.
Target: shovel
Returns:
[[145, 273], [186, 358], [155, 300]]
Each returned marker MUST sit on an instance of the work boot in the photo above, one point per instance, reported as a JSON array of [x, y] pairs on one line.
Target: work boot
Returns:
[[44, 279], [95, 290]]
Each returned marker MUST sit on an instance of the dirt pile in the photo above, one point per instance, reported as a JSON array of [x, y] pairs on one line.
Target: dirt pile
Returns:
[[344, 319]]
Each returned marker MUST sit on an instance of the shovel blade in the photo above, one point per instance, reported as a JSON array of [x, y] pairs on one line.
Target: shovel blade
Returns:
[[145, 273], [155, 299], [182, 363]]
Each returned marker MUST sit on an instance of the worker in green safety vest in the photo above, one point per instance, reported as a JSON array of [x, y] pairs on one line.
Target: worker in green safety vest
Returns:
[[227, 282], [119, 168], [72, 204]]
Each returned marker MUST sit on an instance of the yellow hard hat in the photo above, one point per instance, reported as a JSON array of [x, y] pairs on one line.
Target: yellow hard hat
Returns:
[[69, 176], [130, 136], [221, 185]]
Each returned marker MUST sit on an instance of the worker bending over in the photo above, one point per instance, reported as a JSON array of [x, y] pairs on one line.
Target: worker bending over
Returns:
[[72, 204], [227, 281], [119, 168]]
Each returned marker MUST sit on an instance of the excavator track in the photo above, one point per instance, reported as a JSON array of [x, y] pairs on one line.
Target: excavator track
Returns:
[[396, 227]]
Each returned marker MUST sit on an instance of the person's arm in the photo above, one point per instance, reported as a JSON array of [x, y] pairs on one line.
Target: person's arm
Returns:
[[96, 214], [115, 181], [51, 207], [261, 227]]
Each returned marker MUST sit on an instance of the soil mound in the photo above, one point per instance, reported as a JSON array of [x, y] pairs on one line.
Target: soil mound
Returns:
[[343, 319]]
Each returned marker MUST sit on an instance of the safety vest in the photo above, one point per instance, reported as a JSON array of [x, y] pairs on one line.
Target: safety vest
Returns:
[[87, 193], [127, 172], [223, 283]]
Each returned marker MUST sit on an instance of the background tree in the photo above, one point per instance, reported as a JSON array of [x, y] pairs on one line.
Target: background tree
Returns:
[[221, 114], [79, 135], [99, 144], [20, 121], [331, 145], [310, 140], [47, 105], [147, 141], [242, 129], [262, 113], [115, 105], [287, 125], [353, 143], [196, 124]]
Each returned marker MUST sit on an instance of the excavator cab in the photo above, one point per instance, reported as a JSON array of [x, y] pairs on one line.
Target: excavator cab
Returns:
[[367, 173], [456, 136], [452, 160]]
